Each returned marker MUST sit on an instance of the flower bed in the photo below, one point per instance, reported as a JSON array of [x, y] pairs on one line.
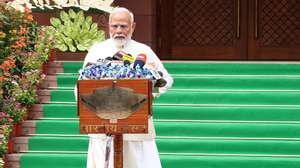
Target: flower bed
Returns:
[[24, 51], [24, 48]]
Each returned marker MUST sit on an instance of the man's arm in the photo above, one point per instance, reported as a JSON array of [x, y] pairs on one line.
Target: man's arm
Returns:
[[160, 67], [88, 58]]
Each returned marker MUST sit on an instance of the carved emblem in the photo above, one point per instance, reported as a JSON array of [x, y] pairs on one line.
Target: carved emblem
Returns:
[[113, 102]]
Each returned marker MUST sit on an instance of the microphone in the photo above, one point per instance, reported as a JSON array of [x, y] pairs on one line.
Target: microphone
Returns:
[[118, 56], [127, 59], [140, 60], [107, 61], [161, 82], [109, 58]]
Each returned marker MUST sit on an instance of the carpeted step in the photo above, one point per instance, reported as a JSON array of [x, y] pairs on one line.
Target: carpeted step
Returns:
[[234, 98], [54, 111], [211, 113], [166, 145], [205, 97], [205, 82], [182, 129], [233, 68], [44, 143], [210, 129], [194, 113], [35, 160], [179, 161], [51, 160], [215, 68]]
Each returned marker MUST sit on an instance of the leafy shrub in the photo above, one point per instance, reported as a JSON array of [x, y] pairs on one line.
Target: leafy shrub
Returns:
[[24, 47], [75, 32]]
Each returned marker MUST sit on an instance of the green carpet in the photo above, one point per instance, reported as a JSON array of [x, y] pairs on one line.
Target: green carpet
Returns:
[[217, 115], [216, 68], [189, 129], [208, 146], [213, 82], [206, 97], [35, 160], [196, 113]]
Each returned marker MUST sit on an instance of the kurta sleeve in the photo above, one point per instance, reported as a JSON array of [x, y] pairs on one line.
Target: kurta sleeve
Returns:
[[160, 67], [92, 53]]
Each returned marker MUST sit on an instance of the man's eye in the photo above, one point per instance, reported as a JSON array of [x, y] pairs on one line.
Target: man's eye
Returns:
[[123, 26], [114, 26]]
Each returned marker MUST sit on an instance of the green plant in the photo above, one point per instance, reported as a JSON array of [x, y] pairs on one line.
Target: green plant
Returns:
[[6, 130], [18, 31], [73, 31], [45, 41], [15, 110], [24, 47], [1, 162]]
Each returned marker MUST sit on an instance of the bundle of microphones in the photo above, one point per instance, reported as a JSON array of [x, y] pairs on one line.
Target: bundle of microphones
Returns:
[[122, 66]]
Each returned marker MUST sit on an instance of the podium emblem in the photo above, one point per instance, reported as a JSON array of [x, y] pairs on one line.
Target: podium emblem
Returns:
[[113, 102]]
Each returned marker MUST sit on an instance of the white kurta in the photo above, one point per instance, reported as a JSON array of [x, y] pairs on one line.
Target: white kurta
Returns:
[[139, 150]]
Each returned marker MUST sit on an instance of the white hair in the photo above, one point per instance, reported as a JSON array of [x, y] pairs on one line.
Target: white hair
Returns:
[[120, 10]]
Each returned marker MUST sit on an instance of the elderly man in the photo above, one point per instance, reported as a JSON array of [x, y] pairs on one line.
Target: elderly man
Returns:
[[139, 150]]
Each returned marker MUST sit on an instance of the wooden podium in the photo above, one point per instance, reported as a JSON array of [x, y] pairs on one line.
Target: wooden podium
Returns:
[[114, 107]]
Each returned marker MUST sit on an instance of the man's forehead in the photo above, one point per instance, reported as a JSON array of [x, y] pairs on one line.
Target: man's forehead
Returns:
[[121, 16]]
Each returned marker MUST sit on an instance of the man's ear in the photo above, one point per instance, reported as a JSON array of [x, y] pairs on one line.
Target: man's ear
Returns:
[[133, 26]]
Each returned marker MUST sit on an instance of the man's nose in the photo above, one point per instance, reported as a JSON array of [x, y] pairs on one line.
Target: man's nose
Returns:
[[119, 29]]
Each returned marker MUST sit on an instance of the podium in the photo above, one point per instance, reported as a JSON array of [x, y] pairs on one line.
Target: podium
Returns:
[[114, 107]]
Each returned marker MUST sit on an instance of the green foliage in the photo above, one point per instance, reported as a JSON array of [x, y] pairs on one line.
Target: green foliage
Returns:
[[15, 110], [45, 42], [24, 47], [3, 145], [1, 162], [75, 32], [17, 31]]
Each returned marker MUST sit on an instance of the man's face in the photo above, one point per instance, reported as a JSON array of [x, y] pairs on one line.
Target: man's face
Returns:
[[121, 28]]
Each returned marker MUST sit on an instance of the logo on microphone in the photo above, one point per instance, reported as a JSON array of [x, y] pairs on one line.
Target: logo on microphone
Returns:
[[140, 61]]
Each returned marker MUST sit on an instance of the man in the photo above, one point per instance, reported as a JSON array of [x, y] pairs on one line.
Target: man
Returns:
[[139, 150]]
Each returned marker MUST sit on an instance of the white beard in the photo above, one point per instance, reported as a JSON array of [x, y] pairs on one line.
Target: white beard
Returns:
[[121, 42]]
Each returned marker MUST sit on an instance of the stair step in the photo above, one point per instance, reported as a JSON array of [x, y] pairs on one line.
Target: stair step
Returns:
[[35, 160], [202, 82], [202, 146], [171, 161], [202, 98], [53, 111], [216, 68], [205, 113], [226, 113], [184, 129], [231, 98]]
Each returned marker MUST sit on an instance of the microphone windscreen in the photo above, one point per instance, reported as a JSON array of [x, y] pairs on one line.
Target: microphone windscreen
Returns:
[[128, 59], [119, 55], [109, 58], [89, 63], [160, 83], [140, 60]]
